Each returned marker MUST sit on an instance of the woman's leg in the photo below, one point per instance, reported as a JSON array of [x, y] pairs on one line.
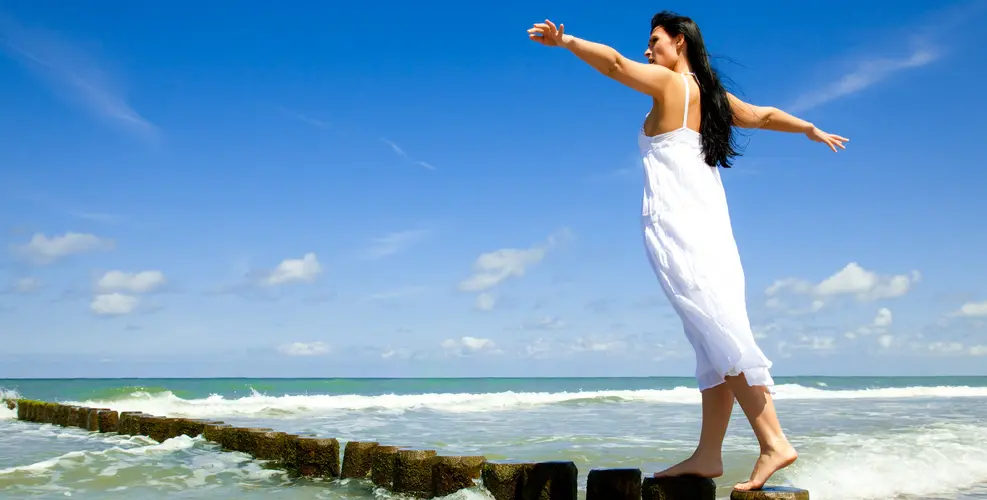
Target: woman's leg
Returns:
[[776, 452], [707, 460]]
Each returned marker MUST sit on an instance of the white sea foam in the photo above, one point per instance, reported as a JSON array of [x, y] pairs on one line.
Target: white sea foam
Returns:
[[68, 459], [930, 461], [293, 406], [5, 394]]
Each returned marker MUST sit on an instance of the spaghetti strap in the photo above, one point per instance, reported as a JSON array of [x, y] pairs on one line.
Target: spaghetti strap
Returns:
[[685, 112]]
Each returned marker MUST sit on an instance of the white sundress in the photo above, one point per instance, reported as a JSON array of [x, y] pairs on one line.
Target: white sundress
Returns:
[[691, 247]]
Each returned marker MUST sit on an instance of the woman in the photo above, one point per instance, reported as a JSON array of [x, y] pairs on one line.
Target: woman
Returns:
[[687, 230]]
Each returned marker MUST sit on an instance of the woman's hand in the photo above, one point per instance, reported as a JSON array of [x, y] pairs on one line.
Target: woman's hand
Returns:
[[547, 34], [831, 140]]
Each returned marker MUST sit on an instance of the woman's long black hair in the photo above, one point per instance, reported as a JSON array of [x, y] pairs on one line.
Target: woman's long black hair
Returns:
[[716, 126]]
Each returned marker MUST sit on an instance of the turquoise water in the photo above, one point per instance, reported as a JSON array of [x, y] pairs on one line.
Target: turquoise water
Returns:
[[859, 437]]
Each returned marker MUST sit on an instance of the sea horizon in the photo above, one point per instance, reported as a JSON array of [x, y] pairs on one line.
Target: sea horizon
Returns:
[[506, 377]]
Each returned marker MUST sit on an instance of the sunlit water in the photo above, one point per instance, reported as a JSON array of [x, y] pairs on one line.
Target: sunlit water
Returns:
[[858, 438]]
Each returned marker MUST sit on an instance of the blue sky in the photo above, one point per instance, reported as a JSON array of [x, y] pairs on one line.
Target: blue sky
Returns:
[[319, 189]]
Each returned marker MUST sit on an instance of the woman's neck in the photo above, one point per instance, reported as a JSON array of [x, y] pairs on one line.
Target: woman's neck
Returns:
[[682, 67]]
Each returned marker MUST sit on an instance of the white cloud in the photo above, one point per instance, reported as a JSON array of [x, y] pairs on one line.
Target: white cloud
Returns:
[[885, 340], [883, 317], [113, 304], [469, 345], [394, 243], [398, 293], [492, 268], [44, 250], [486, 301], [823, 344], [978, 350], [304, 349], [972, 309], [776, 303], [818, 342], [879, 325], [304, 270], [866, 285], [395, 354], [538, 347], [595, 343], [144, 281], [852, 280], [867, 72], [793, 285], [544, 323], [631, 346], [764, 331], [27, 285], [946, 347], [71, 73]]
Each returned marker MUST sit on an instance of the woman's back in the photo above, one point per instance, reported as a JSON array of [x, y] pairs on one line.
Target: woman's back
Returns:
[[666, 115]]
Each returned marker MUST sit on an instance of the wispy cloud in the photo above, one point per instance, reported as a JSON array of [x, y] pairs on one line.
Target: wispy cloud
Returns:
[[867, 73], [60, 205], [315, 122], [397, 149], [399, 293], [72, 74], [403, 154], [102, 217], [394, 243], [926, 46]]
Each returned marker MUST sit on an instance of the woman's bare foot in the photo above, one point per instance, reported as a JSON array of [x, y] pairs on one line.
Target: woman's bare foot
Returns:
[[695, 465], [768, 463]]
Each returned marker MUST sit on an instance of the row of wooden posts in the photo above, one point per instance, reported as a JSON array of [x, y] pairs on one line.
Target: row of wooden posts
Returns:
[[414, 472]]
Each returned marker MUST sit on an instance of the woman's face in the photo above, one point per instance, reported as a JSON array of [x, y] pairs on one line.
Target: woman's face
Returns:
[[662, 48]]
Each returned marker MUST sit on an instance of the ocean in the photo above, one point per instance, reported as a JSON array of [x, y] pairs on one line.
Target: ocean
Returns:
[[858, 437]]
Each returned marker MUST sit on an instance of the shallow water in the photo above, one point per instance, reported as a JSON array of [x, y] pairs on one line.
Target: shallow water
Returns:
[[858, 438]]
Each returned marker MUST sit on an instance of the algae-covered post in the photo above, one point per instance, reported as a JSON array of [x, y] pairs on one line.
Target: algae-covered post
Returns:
[[413, 472], [678, 488], [505, 479], [317, 457], [382, 469], [244, 439], [358, 458], [556, 478], [771, 493], [267, 446], [451, 474], [613, 484], [108, 421]]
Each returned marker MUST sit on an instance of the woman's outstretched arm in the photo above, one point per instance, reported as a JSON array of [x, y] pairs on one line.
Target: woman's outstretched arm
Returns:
[[649, 79], [770, 118], [765, 117]]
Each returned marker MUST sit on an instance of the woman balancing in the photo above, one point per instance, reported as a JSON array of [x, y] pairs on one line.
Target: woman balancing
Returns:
[[687, 230]]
